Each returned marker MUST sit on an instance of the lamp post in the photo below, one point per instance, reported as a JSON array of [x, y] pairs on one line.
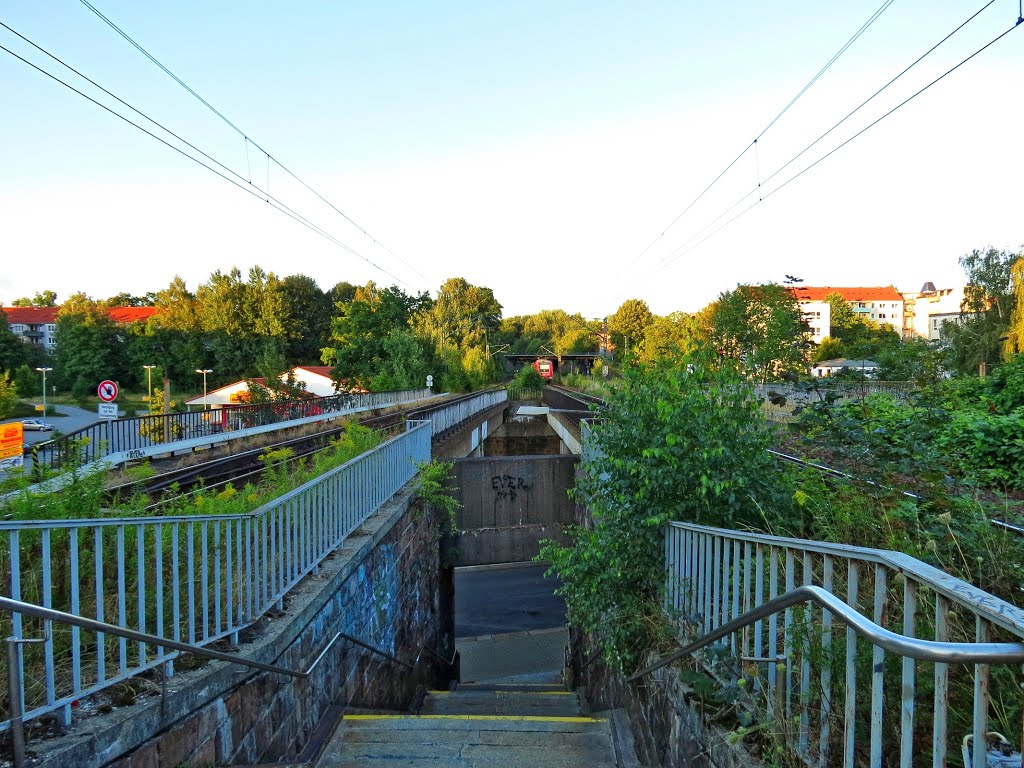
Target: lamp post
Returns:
[[149, 381], [43, 371], [204, 371]]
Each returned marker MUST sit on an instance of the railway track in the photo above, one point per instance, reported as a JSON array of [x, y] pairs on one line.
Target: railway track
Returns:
[[246, 465]]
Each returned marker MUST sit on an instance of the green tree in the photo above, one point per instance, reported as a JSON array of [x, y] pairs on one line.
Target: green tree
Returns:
[[555, 329], [628, 324], [1015, 333], [759, 328], [12, 349], [859, 337], [307, 321], [668, 336], [90, 346], [990, 300], [462, 316], [125, 299], [43, 299], [27, 381], [674, 443], [341, 293], [176, 308], [8, 395], [358, 350]]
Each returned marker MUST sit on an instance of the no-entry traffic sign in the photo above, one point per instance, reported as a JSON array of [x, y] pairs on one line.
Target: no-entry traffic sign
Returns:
[[107, 391]]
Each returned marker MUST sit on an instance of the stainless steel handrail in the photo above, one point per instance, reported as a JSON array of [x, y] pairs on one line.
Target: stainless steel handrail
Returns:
[[374, 649], [50, 614], [911, 647]]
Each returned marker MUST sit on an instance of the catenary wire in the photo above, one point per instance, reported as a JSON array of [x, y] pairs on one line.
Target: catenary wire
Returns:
[[273, 202], [863, 130], [802, 152], [242, 133], [835, 57]]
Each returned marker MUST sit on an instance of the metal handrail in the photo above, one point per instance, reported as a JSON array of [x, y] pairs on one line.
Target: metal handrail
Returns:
[[374, 649], [910, 647], [50, 614]]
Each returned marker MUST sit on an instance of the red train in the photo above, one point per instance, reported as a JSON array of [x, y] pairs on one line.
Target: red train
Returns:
[[545, 367]]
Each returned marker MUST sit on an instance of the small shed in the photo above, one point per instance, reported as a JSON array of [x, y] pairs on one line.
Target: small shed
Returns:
[[827, 368]]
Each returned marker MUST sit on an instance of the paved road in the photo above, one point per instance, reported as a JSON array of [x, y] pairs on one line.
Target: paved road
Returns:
[[505, 599], [72, 418]]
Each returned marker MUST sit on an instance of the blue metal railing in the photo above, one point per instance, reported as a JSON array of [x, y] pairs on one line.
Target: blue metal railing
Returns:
[[104, 438], [194, 579]]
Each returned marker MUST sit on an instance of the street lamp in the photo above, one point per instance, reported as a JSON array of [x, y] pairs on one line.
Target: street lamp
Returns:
[[149, 381], [43, 371], [204, 371]]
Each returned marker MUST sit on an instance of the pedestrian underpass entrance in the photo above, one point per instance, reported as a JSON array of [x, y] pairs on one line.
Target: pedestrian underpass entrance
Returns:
[[509, 624]]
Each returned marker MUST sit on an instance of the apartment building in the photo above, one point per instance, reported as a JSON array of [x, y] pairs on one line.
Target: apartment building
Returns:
[[927, 310], [882, 305], [38, 325]]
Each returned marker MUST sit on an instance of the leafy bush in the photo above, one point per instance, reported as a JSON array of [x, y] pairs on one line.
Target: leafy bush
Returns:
[[670, 445], [527, 378], [989, 447], [434, 487]]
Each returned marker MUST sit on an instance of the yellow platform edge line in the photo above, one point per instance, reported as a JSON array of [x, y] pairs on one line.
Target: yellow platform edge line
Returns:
[[510, 693], [515, 718]]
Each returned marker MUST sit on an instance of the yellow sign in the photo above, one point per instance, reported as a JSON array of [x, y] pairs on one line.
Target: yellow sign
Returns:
[[39, 407], [12, 437]]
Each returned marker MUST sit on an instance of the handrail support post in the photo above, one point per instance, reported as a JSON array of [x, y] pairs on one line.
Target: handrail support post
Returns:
[[17, 701]]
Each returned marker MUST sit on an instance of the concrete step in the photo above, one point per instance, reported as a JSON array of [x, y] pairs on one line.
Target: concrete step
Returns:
[[476, 727], [467, 741], [502, 702]]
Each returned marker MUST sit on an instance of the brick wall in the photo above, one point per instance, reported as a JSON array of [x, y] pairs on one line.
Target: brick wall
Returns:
[[382, 586]]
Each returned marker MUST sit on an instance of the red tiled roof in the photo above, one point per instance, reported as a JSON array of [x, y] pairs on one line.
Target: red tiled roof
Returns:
[[31, 315], [812, 293], [125, 315], [320, 370]]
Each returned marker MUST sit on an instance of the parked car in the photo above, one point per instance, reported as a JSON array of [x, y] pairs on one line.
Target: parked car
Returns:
[[36, 424]]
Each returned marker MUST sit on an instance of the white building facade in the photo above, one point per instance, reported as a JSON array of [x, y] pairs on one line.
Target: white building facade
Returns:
[[882, 305]]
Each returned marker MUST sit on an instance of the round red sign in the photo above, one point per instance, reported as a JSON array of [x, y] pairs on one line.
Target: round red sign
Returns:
[[107, 391]]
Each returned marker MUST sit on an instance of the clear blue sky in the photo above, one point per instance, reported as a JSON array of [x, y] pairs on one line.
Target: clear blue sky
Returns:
[[536, 148]]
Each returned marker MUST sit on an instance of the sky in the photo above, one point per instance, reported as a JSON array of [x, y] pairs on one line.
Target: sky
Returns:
[[544, 150]]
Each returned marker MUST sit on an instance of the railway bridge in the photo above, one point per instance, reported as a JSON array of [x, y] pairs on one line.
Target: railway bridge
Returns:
[[319, 629]]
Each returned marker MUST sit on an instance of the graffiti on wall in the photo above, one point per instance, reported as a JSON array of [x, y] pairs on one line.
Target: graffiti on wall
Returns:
[[508, 486]]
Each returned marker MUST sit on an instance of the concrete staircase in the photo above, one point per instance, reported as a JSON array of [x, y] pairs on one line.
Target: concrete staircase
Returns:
[[479, 725]]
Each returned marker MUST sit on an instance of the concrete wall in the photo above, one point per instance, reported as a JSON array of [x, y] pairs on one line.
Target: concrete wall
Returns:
[[530, 437], [469, 440], [382, 586], [509, 504]]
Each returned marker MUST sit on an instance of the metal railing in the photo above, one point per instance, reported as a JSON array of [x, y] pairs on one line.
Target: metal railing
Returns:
[[192, 579], [447, 416], [15, 684], [103, 438], [829, 693]]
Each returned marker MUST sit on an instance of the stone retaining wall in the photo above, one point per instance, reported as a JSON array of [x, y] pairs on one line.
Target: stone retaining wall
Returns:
[[667, 729]]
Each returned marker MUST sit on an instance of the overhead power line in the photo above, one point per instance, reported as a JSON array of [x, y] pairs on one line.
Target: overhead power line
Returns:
[[761, 183], [258, 194], [1018, 23], [835, 57], [243, 134]]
